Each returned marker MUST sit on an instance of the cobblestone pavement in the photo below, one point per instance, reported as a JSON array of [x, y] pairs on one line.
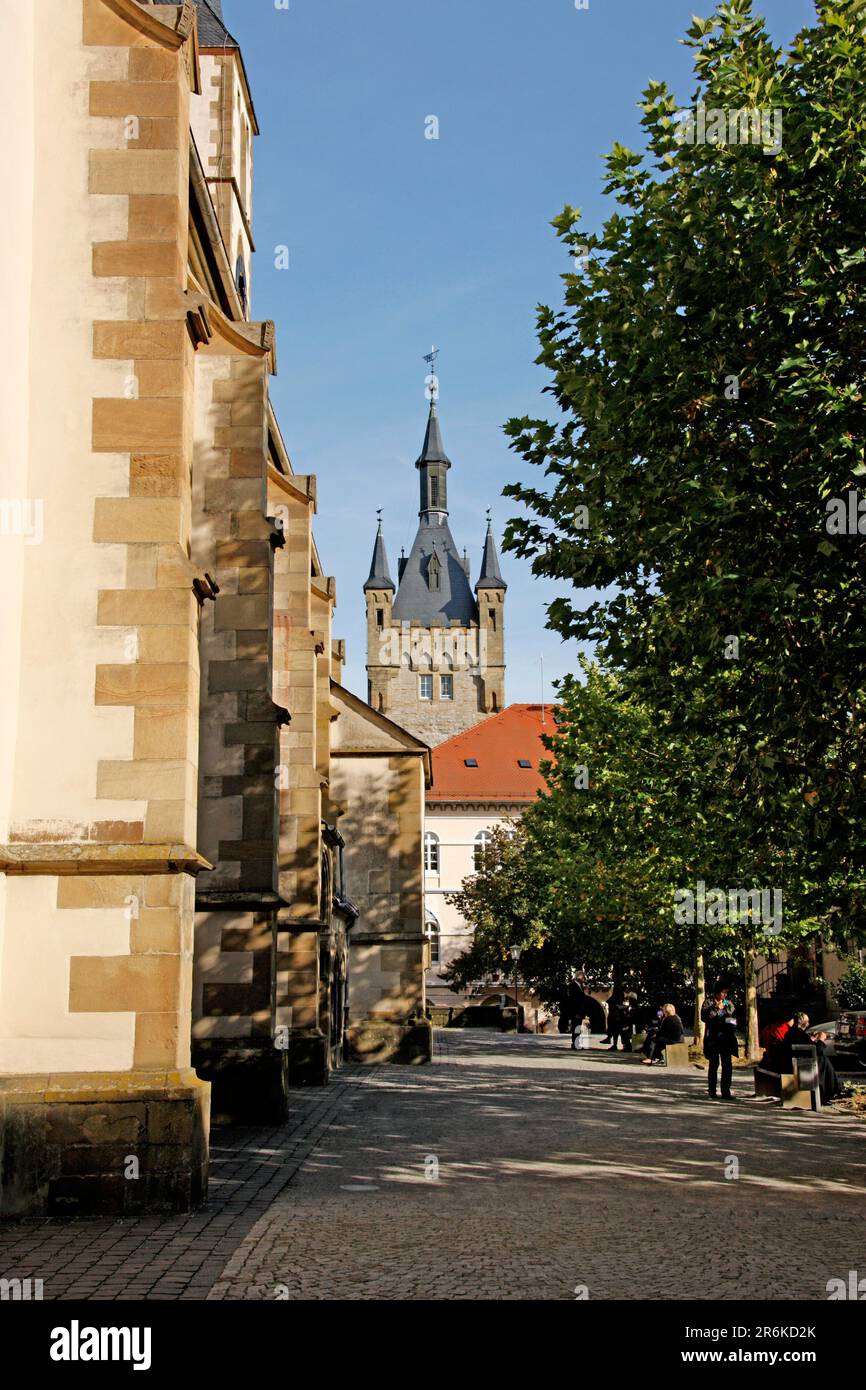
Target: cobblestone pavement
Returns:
[[512, 1168]]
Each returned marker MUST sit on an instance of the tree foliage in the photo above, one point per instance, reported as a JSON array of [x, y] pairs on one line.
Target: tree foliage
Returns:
[[727, 268]]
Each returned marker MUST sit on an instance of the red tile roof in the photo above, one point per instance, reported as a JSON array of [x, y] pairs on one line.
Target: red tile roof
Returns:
[[496, 743]]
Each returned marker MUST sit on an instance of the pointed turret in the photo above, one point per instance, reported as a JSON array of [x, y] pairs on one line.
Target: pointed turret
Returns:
[[380, 575], [441, 592], [491, 575], [433, 464], [433, 451]]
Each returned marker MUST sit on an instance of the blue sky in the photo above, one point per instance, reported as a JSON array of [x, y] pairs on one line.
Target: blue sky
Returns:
[[397, 242]]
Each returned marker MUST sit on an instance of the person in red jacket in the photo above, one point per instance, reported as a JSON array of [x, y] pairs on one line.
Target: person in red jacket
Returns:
[[776, 1053]]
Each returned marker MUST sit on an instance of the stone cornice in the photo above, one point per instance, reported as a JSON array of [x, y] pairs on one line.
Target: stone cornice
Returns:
[[154, 22], [256, 339], [325, 588], [301, 487], [94, 858]]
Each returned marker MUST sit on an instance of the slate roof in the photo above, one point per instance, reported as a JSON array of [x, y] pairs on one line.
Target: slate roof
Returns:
[[433, 450], [212, 32], [491, 575], [497, 744], [454, 598], [380, 575]]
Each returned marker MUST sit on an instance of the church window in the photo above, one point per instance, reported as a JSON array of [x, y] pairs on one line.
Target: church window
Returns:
[[433, 936], [494, 704], [482, 841], [425, 687], [446, 687], [241, 282], [431, 852]]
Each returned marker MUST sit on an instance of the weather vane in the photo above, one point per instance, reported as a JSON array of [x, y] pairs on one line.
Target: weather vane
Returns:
[[431, 381]]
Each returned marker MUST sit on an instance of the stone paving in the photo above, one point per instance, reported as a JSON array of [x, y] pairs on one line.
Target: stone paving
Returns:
[[512, 1168]]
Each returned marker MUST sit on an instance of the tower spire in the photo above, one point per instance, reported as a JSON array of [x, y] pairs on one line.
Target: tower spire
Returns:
[[380, 575], [433, 462], [491, 574]]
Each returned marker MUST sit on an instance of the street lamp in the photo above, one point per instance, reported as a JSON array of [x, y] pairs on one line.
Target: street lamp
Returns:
[[515, 956]]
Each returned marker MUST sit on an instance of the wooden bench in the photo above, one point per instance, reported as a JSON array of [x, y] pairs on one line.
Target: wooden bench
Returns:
[[797, 1090]]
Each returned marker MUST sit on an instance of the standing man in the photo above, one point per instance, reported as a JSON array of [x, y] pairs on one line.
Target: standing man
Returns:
[[720, 1041]]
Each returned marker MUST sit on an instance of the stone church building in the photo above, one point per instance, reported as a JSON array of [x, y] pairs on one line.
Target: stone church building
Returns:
[[201, 832], [435, 645]]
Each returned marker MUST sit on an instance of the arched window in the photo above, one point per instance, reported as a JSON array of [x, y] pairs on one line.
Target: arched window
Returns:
[[433, 935], [241, 282], [482, 840], [431, 852]]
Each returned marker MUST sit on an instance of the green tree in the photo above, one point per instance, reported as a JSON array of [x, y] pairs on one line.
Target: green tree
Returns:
[[850, 992], [591, 871], [708, 363]]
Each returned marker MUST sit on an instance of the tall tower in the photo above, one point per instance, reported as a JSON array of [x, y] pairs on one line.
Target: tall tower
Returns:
[[435, 650]]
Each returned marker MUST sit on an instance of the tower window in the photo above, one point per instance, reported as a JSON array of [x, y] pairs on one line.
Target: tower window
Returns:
[[425, 687], [491, 615], [446, 687], [380, 617], [431, 852], [434, 491]]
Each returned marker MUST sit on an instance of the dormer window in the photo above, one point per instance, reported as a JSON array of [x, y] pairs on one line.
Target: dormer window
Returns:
[[434, 573]]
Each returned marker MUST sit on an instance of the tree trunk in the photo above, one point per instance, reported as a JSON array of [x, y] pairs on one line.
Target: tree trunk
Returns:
[[700, 995], [753, 1046]]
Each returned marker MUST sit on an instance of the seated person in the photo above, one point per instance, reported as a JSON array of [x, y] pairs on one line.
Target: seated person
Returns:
[[670, 1030], [776, 1056], [798, 1036]]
